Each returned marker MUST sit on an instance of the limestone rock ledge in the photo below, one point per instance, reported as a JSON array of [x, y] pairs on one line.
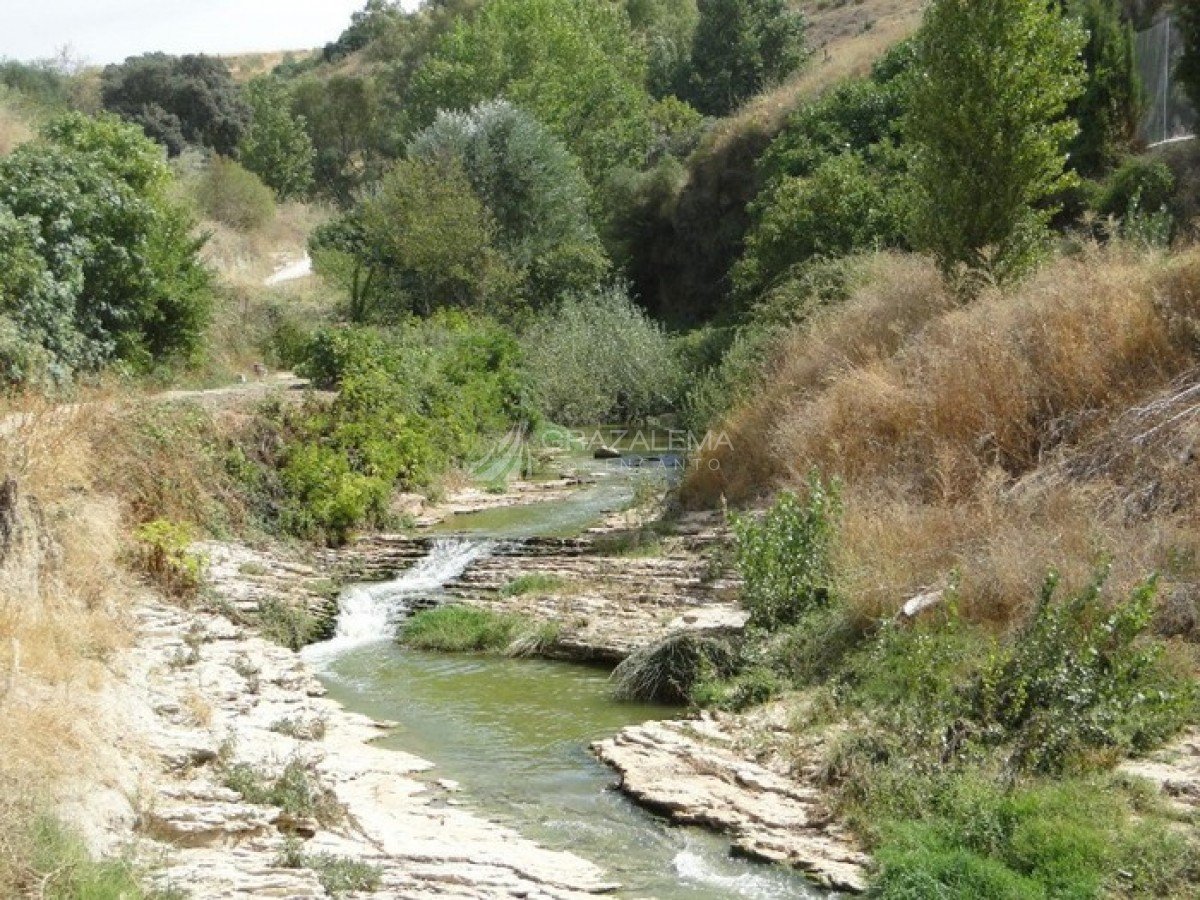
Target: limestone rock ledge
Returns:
[[201, 694], [691, 772]]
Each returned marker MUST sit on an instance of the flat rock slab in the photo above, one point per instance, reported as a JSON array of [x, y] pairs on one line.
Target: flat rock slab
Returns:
[[688, 772]]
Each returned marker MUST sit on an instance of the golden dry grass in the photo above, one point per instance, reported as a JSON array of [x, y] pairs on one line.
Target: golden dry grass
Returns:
[[986, 440], [64, 606], [15, 128]]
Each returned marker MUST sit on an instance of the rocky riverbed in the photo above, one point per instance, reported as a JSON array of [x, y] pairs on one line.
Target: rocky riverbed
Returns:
[[216, 709]]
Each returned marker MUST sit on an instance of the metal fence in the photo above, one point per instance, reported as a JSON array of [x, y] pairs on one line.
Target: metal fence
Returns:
[[1169, 115]]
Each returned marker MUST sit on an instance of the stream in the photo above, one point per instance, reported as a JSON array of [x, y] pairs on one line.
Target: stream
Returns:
[[514, 733]]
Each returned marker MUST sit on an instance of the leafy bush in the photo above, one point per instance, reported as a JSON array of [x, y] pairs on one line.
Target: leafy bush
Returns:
[[289, 624], [1079, 683], [969, 837], [339, 875], [296, 790], [600, 359], [532, 188], [671, 670], [1137, 184], [575, 64], [232, 195], [162, 551], [785, 558], [178, 100], [276, 146], [844, 206], [119, 276], [741, 47]]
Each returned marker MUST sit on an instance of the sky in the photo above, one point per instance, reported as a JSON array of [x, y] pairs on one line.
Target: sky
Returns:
[[104, 31]]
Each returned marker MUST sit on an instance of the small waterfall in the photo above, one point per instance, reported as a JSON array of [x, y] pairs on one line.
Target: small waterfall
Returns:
[[368, 613]]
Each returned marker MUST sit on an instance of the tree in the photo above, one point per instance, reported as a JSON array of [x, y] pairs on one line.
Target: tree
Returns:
[[987, 124], [342, 117], [276, 146], [1110, 106], [741, 47], [574, 64], [369, 24], [178, 100], [533, 190], [1188, 15], [421, 242], [119, 258]]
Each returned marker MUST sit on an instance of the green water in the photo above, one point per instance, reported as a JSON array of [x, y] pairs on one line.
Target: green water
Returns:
[[515, 734]]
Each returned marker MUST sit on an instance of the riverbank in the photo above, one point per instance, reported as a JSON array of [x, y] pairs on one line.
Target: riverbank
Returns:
[[221, 714]]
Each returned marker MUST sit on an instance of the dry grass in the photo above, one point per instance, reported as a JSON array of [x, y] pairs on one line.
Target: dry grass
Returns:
[[63, 612], [15, 128], [992, 440], [247, 258], [245, 66]]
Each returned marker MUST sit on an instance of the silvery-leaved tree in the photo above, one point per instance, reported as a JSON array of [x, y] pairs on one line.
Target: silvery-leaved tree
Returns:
[[988, 126]]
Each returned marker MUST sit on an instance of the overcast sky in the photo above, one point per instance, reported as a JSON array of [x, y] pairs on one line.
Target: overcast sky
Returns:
[[104, 31]]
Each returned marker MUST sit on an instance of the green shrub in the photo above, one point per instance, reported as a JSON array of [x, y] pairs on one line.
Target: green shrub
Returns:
[[785, 557], [669, 671], [288, 624], [599, 359], [1082, 681], [235, 196], [162, 552], [1137, 184], [99, 262], [339, 875], [971, 837], [296, 790]]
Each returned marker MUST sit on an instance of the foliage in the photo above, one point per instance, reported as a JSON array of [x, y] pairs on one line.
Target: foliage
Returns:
[[92, 199], [288, 623], [343, 116], [1147, 183], [235, 196], [1110, 106], [667, 29], [178, 100], [296, 790], [163, 553], [1188, 18], [670, 670], [412, 401], [276, 146], [366, 25], [61, 867], [834, 179], [423, 241], [1079, 838], [533, 191], [846, 205], [785, 559], [1077, 682], [574, 64], [986, 122], [598, 358], [741, 47]]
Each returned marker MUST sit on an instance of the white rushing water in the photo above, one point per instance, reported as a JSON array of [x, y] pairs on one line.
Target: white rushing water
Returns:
[[367, 613], [697, 868]]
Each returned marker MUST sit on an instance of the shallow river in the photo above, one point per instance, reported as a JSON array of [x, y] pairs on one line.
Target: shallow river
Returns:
[[515, 733]]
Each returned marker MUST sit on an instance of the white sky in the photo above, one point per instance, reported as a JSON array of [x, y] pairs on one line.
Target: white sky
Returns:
[[104, 31]]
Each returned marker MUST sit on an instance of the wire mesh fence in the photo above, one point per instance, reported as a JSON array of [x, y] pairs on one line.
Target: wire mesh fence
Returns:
[[1169, 115]]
